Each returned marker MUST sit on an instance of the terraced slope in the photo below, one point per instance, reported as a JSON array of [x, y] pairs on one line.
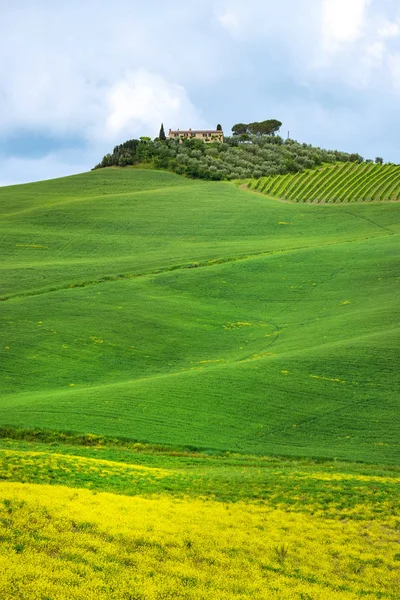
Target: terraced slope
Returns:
[[347, 182], [139, 304]]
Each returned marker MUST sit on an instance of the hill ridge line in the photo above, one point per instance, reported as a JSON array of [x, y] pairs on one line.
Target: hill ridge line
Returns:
[[87, 198], [186, 266]]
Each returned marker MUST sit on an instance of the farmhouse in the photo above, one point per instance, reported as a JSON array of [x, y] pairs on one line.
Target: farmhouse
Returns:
[[208, 135]]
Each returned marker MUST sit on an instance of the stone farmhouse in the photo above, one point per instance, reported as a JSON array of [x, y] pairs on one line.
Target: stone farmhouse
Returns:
[[208, 135]]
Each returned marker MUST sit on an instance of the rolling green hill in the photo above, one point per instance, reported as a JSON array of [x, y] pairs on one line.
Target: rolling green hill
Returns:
[[143, 305], [346, 182], [140, 305]]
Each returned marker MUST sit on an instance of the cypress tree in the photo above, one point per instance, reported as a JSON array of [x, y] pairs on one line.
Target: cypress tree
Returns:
[[162, 135]]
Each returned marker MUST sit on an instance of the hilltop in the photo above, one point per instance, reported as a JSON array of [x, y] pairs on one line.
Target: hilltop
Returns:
[[238, 157]]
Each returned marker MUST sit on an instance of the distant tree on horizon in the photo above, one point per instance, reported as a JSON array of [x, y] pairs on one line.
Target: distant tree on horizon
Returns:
[[161, 135], [268, 127], [379, 160], [239, 129], [219, 127]]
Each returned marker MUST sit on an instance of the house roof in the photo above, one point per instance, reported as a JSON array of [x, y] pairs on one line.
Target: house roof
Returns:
[[195, 131]]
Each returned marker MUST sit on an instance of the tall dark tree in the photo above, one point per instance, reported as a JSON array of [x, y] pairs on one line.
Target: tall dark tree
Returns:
[[379, 160], [219, 127], [161, 135]]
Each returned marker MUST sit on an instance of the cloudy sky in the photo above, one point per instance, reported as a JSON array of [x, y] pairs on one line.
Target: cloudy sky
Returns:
[[78, 77]]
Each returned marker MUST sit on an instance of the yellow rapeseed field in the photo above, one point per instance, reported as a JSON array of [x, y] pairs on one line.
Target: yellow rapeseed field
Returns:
[[60, 543]]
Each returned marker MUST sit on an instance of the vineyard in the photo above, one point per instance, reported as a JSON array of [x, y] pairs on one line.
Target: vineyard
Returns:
[[346, 182]]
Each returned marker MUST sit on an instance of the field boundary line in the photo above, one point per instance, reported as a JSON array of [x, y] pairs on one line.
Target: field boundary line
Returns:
[[186, 266], [391, 232]]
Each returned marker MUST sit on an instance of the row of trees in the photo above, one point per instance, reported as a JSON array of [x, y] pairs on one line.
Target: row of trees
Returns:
[[268, 127], [258, 155]]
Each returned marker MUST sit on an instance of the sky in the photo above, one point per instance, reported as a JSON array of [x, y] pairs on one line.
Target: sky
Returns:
[[77, 78]]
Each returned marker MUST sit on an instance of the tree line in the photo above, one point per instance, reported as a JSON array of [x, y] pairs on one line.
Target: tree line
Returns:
[[268, 127], [254, 150]]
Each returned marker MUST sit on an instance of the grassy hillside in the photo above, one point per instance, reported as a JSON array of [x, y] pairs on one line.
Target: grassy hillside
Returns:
[[283, 340], [226, 329], [347, 182]]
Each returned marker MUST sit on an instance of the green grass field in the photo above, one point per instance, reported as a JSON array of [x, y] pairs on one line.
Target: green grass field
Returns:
[[198, 393], [283, 340], [346, 182]]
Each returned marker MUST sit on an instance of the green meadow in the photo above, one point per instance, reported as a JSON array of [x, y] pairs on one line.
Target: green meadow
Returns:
[[199, 392], [141, 305]]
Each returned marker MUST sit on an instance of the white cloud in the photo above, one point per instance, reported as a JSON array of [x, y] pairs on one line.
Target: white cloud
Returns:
[[142, 100], [230, 20], [62, 77], [357, 38], [375, 54], [285, 21], [59, 100], [388, 29], [342, 22]]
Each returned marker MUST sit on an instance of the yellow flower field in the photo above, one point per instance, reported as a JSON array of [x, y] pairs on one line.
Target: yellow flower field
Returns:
[[60, 543]]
